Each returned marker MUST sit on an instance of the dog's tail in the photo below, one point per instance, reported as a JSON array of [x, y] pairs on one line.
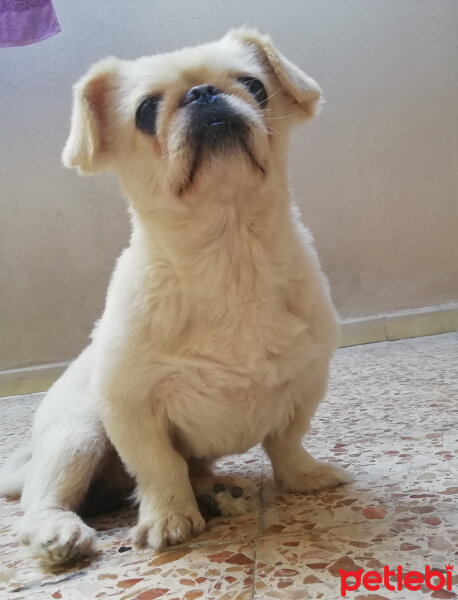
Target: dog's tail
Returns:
[[14, 471]]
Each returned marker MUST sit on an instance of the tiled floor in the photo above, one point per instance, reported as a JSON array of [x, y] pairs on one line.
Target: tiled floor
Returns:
[[390, 417]]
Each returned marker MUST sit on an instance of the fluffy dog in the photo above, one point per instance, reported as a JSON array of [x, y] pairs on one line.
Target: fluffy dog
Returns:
[[218, 327]]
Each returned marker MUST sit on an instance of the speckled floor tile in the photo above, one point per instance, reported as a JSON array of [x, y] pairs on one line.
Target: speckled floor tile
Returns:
[[391, 485], [298, 567], [221, 571], [390, 418], [391, 388], [382, 408], [15, 422]]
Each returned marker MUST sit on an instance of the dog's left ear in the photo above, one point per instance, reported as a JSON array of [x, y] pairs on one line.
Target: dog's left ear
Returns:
[[88, 144], [302, 89]]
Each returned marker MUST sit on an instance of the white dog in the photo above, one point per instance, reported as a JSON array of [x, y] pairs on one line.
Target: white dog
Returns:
[[218, 327]]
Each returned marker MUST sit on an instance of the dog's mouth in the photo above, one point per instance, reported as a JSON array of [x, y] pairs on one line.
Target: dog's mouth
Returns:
[[216, 129]]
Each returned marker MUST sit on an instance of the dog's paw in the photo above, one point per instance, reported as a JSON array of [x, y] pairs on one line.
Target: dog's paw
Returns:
[[168, 529], [225, 496], [319, 476], [56, 536]]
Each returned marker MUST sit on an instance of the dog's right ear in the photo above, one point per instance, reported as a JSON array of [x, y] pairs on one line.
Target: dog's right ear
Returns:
[[88, 145]]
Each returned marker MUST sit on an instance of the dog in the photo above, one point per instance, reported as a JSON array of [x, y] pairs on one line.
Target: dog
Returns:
[[218, 327]]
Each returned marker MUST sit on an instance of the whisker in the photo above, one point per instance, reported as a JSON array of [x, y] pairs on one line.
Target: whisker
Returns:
[[276, 118], [272, 95]]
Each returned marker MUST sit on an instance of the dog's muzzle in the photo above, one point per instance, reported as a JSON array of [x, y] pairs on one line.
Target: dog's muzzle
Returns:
[[213, 123]]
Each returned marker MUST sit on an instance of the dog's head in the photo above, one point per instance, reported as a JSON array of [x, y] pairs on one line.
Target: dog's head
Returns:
[[190, 122]]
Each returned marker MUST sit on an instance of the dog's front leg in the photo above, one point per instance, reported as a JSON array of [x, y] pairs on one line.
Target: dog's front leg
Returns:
[[295, 470], [140, 431]]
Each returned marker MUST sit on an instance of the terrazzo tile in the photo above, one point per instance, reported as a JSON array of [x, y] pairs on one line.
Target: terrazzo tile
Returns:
[[393, 478], [221, 571], [399, 505], [443, 378], [390, 418], [371, 390], [16, 420], [307, 567], [423, 360], [382, 409]]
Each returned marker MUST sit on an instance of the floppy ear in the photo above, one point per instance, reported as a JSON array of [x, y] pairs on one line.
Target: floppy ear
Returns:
[[302, 89], [88, 145]]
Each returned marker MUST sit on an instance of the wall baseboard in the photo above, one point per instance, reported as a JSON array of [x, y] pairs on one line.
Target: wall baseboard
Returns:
[[430, 320], [30, 380]]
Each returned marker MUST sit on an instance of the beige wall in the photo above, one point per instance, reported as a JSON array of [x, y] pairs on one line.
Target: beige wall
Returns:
[[376, 174]]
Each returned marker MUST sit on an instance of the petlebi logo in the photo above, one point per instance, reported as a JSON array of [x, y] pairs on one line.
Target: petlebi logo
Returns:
[[396, 579]]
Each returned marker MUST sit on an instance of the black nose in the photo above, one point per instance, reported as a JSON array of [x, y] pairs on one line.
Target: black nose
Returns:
[[201, 94]]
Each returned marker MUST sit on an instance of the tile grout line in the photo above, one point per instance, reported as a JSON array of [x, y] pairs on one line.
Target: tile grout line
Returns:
[[259, 529]]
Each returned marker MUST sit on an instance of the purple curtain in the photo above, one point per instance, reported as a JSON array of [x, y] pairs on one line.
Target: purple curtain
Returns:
[[24, 22]]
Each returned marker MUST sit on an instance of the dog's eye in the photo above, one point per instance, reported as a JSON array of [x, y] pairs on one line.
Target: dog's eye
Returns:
[[145, 117], [255, 87]]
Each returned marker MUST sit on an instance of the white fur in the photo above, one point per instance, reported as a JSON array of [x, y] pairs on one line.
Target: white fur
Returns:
[[218, 327]]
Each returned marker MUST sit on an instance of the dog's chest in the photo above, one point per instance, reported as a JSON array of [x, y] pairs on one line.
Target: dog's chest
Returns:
[[215, 410], [223, 361], [237, 384]]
